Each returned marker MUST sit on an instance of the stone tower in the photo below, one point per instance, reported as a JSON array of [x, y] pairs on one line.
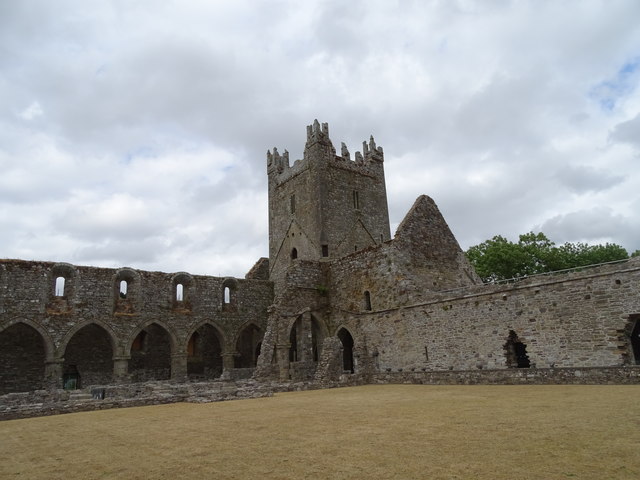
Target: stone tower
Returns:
[[325, 206]]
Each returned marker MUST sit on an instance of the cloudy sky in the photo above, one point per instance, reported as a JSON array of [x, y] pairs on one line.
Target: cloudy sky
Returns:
[[135, 133]]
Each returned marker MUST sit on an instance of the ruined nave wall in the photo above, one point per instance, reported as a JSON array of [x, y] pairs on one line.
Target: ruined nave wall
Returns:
[[583, 319]]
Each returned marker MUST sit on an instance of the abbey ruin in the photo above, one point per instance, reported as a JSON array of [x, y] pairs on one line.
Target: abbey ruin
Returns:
[[338, 301]]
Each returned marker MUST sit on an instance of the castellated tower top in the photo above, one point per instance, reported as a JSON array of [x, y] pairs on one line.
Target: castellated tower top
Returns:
[[319, 147], [326, 205]]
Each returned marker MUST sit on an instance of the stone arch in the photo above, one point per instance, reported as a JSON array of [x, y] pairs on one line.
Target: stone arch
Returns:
[[49, 346], [345, 337], [187, 282], [515, 351], [204, 351], [248, 343], [229, 293], [88, 356], [126, 302], [112, 336], [23, 352], [632, 346], [66, 271], [150, 349]]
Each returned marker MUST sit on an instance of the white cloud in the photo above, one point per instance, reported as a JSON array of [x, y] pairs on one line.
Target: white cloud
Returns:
[[136, 133]]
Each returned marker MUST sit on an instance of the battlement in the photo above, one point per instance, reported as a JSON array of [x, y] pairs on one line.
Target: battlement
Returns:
[[320, 150]]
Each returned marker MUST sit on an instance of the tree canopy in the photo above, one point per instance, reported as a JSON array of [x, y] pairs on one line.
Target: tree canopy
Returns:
[[499, 259]]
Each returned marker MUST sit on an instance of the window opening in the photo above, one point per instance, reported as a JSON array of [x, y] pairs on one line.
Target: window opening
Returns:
[[294, 254], [179, 292], [325, 250], [367, 300], [59, 290], [227, 295], [635, 342], [516, 352], [123, 289], [356, 200], [292, 204]]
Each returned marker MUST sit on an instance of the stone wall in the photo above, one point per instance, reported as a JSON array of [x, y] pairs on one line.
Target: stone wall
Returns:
[[570, 320], [91, 325]]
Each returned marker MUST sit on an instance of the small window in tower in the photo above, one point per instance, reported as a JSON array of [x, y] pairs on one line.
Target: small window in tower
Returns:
[[381, 238], [179, 292], [356, 200], [123, 289], [325, 250], [292, 205], [367, 300], [227, 295], [59, 290], [294, 253]]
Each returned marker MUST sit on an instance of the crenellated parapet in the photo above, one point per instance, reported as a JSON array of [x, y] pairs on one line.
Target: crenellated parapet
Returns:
[[319, 151]]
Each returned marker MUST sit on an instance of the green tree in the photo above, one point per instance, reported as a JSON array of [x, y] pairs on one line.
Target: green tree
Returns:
[[499, 259]]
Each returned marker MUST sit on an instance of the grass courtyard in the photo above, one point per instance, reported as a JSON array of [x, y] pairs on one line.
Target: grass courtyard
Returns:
[[379, 432]]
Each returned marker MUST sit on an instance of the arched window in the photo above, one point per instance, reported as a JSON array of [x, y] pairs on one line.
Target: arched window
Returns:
[[179, 292], [123, 288], [294, 253], [227, 295], [59, 290], [367, 300]]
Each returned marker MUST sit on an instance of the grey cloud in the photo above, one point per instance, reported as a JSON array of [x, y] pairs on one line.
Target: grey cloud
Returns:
[[583, 178], [599, 224], [627, 132]]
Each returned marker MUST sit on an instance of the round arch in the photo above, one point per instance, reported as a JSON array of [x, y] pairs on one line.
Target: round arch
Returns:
[[150, 349], [49, 346], [345, 337], [113, 338], [173, 339], [248, 342], [204, 349], [23, 354], [88, 350]]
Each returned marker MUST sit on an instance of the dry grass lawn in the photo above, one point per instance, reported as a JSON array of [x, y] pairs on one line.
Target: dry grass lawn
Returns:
[[401, 431]]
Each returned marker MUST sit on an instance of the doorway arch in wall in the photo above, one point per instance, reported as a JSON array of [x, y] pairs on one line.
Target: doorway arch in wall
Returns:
[[516, 352], [88, 357], [22, 355], [347, 350], [204, 352], [248, 346], [151, 354]]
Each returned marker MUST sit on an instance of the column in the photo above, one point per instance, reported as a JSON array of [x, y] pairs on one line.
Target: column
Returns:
[[179, 367]]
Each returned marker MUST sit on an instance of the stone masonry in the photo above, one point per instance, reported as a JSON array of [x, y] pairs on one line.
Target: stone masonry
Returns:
[[339, 301]]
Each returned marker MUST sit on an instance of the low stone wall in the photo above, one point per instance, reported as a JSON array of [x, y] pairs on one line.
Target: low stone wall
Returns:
[[517, 376], [54, 402]]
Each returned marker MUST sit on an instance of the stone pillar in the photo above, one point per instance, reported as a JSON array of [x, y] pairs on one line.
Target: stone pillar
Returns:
[[53, 370], [179, 367], [304, 339], [228, 363], [282, 356], [121, 369]]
